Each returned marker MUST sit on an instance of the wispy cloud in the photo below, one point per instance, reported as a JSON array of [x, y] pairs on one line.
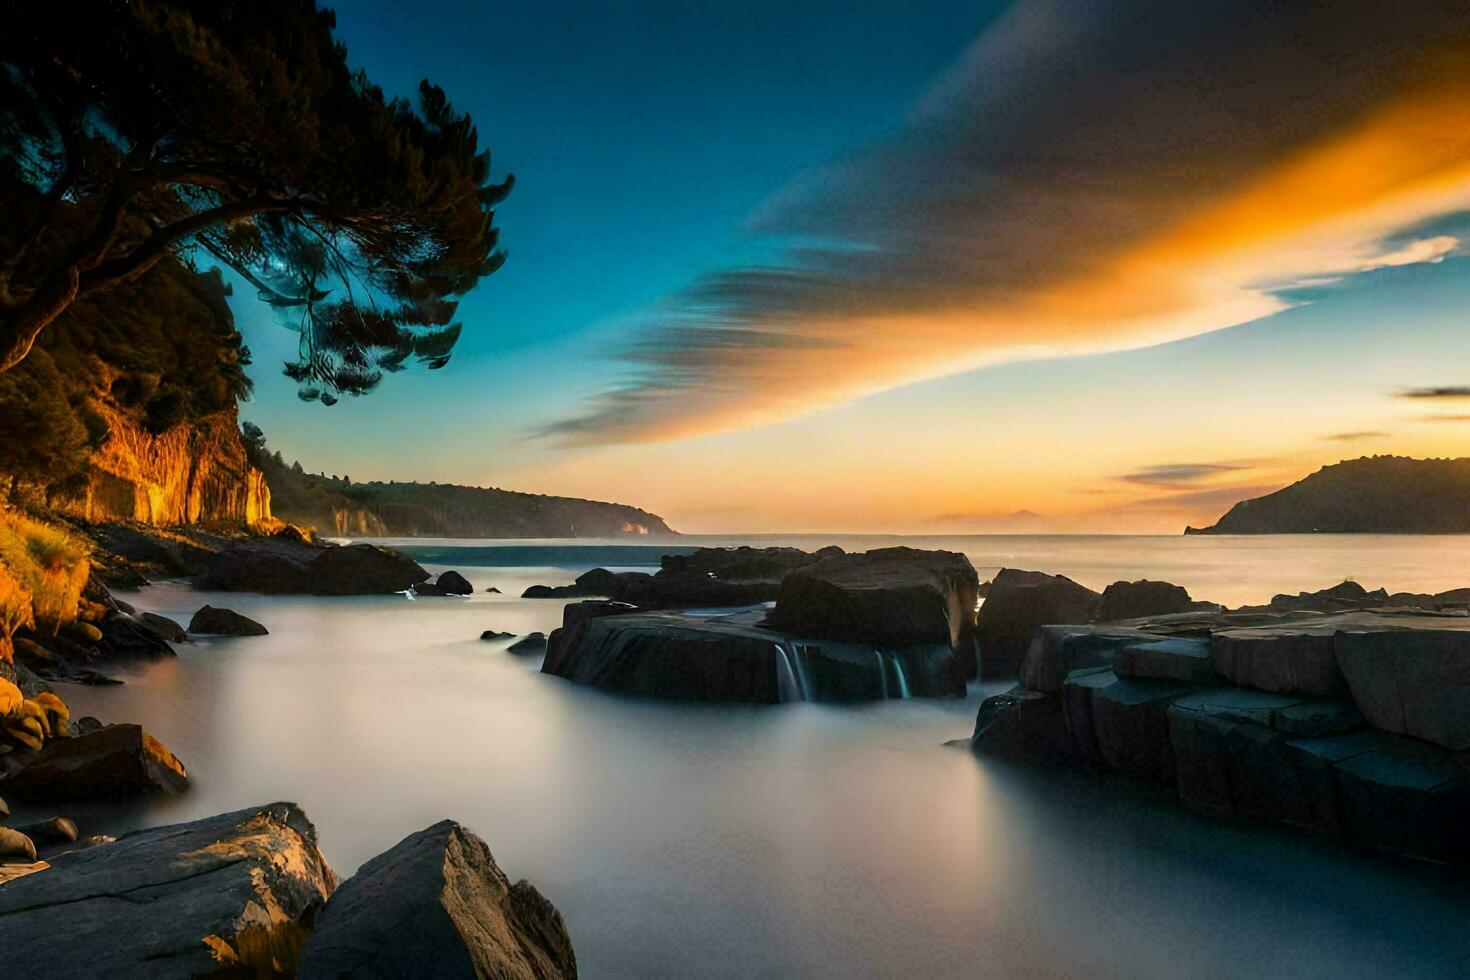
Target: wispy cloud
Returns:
[[1089, 176], [1179, 474], [1444, 418], [1447, 392], [1354, 436]]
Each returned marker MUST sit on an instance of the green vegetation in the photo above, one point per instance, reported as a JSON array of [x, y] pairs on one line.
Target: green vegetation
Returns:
[[236, 130], [162, 349], [43, 570]]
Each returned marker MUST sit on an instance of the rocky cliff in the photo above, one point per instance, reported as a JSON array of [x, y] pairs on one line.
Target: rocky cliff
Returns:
[[194, 472], [1373, 494]]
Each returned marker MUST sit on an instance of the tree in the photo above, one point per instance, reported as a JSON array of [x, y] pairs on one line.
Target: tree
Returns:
[[44, 439], [238, 130]]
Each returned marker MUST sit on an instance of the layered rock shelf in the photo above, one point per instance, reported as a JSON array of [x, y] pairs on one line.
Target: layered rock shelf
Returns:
[[1345, 713]]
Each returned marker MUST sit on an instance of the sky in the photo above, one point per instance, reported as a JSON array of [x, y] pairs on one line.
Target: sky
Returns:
[[1060, 265]]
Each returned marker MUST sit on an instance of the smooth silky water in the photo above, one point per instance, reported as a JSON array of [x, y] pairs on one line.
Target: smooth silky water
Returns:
[[800, 839]]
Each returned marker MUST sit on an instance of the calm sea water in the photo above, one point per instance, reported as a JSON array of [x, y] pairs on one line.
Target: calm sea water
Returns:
[[793, 840]]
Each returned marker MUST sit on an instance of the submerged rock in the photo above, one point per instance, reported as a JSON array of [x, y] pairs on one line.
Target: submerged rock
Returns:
[[212, 621], [530, 643], [888, 597], [228, 895], [115, 761], [437, 905], [1019, 602], [448, 583]]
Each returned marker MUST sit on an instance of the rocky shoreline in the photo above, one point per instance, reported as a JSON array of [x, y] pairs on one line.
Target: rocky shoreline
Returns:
[[1345, 713]]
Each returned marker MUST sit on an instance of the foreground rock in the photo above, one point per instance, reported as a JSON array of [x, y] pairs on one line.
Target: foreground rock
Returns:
[[213, 621], [437, 905], [115, 761], [888, 597], [1017, 604], [283, 567], [230, 895]]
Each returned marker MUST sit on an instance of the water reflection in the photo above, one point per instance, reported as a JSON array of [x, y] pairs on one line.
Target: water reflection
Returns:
[[743, 840]]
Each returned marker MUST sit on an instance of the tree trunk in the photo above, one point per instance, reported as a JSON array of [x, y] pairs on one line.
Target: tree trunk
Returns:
[[19, 327]]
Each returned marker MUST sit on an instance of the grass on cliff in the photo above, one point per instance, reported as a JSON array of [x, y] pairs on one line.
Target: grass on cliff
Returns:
[[43, 570]]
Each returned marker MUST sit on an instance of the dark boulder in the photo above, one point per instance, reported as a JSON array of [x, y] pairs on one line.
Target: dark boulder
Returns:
[[1347, 595], [136, 637], [495, 635], [16, 846], [664, 655], [1018, 603], [229, 895], [437, 905], [164, 628], [115, 761], [492, 589], [1135, 600], [363, 569], [46, 833], [448, 583], [530, 643], [212, 621], [282, 567], [690, 657], [885, 597]]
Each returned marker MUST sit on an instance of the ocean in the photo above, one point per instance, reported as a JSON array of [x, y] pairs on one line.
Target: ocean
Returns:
[[699, 840]]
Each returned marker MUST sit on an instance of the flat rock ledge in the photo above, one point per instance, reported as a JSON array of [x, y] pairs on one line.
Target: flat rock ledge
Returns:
[[237, 892], [1352, 724]]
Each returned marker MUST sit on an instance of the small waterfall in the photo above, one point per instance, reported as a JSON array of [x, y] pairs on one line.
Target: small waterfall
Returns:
[[804, 682], [882, 671], [903, 682], [787, 682]]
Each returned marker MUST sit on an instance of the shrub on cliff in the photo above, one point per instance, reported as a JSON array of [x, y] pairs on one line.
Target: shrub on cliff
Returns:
[[238, 129], [44, 562]]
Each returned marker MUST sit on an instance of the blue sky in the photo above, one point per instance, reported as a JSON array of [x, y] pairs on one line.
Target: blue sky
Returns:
[[886, 252]]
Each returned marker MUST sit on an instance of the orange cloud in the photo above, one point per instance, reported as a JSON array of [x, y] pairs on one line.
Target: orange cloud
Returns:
[[1090, 177]]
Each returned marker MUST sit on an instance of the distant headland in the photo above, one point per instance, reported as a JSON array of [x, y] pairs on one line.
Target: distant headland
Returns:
[[1369, 495]]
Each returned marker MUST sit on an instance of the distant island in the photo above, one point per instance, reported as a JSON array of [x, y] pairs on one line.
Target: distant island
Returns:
[[1370, 495]]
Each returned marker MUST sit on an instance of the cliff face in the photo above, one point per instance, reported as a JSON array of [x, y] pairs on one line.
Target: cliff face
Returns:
[[191, 473], [1374, 494]]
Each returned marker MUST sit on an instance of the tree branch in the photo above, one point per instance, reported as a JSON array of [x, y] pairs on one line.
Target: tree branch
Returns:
[[157, 245]]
